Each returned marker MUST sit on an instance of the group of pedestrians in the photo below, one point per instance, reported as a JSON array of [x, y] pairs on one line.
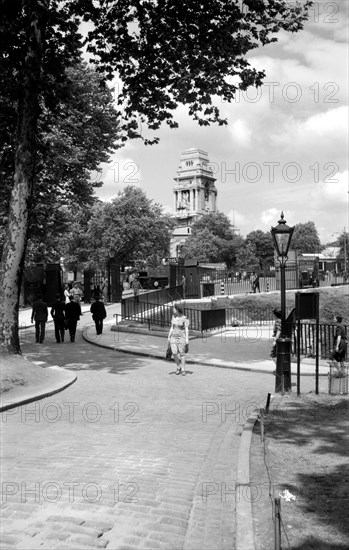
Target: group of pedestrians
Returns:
[[65, 317], [66, 314], [75, 292]]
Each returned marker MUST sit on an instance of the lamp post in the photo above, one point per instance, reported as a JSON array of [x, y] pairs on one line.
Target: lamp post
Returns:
[[282, 235], [111, 256]]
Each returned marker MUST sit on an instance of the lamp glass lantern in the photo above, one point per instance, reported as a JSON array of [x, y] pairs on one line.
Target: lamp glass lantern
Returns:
[[282, 236]]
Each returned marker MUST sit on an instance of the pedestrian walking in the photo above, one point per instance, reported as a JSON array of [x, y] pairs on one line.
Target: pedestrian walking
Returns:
[[105, 290], [276, 331], [72, 315], [39, 315], [76, 292], [256, 284], [178, 338], [98, 314], [136, 286], [66, 293], [340, 345], [57, 312]]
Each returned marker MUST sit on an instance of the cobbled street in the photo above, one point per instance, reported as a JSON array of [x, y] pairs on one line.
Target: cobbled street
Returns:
[[129, 456]]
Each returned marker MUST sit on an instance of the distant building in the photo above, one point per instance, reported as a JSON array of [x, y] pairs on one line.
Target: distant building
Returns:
[[328, 259], [194, 195]]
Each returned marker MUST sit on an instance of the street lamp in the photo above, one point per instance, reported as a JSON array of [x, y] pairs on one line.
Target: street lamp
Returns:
[[282, 236]]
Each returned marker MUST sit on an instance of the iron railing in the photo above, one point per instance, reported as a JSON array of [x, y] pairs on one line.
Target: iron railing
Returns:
[[134, 305], [307, 339], [251, 315], [161, 314], [156, 308]]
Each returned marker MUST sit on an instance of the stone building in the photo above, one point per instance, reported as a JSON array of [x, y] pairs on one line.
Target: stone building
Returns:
[[194, 195]]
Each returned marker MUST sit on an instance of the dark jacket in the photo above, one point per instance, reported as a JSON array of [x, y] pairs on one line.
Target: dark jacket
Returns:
[[40, 311], [57, 310], [72, 311], [98, 310]]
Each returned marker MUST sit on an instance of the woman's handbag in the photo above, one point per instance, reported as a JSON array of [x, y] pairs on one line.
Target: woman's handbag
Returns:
[[168, 353]]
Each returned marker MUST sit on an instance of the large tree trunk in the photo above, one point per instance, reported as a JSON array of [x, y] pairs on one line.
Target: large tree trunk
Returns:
[[11, 267]]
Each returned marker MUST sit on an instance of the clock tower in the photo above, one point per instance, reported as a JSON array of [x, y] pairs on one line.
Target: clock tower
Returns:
[[194, 195]]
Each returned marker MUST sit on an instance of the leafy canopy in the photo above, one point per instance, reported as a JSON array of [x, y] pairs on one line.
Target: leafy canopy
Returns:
[[213, 240], [166, 53], [73, 139], [264, 247], [306, 239], [132, 226]]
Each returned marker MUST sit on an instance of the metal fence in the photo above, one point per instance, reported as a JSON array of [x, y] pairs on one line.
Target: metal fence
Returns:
[[252, 315], [138, 305], [159, 314], [307, 339]]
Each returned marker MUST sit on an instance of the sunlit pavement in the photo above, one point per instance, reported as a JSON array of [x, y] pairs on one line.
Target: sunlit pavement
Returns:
[[130, 456]]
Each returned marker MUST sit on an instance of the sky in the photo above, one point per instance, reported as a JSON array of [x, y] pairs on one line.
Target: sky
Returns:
[[285, 147]]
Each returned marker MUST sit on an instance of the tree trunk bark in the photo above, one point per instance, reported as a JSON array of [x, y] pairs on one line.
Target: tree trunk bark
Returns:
[[12, 261]]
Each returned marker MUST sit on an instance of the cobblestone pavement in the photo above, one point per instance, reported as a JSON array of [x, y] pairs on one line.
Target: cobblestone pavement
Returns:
[[130, 456]]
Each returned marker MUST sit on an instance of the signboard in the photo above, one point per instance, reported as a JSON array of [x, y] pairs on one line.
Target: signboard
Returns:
[[307, 305]]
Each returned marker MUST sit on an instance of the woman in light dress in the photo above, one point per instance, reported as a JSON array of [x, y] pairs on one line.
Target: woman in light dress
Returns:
[[67, 293], [178, 338]]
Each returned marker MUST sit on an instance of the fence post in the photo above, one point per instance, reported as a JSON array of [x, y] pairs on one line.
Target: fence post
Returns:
[[277, 523]]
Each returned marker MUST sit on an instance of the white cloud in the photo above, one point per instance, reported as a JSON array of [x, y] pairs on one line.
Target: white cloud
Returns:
[[269, 216], [331, 200], [241, 133], [324, 133]]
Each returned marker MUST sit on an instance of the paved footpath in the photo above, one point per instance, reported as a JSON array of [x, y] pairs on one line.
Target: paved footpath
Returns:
[[130, 456]]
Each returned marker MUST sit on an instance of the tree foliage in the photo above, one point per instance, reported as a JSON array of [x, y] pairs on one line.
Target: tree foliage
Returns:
[[343, 243], [264, 247], [73, 139], [164, 54], [131, 225], [212, 240], [306, 238], [170, 53], [247, 257]]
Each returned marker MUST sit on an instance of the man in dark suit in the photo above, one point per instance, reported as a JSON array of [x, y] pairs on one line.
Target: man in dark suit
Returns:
[[39, 315], [72, 315], [98, 314], [57, 312]]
